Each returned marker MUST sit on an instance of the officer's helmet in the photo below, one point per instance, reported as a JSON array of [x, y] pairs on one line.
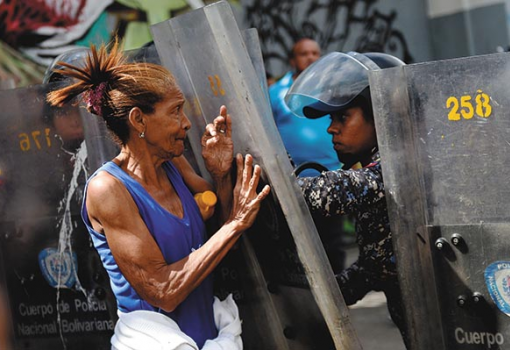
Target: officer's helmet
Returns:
[[334, 81], [76, 57]]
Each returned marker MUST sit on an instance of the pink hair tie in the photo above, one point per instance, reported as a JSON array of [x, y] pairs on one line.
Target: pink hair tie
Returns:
[[95, 98]]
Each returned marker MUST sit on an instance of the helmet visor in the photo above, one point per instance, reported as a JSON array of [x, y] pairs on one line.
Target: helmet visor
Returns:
[[76, 57], [328, 85]]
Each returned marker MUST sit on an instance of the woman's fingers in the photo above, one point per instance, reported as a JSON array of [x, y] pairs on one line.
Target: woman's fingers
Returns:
[[251, 178], [221, 125], [223, 111], [247, 172], [247, 200], [210, 130], [263, 194], [240, 169], [228, 121], [254, 181]]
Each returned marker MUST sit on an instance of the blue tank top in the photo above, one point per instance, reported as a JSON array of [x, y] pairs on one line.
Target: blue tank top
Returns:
[[176, 238]]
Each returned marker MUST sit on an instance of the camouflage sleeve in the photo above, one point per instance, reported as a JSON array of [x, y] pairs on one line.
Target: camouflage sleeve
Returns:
[[343, 191]]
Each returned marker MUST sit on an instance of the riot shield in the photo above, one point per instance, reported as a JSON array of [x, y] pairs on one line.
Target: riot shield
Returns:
[[58, 292], [251, 40], [443, 134], [281, 277]]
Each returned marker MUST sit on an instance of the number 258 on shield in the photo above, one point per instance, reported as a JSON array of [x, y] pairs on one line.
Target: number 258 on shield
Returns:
[[465, 107]]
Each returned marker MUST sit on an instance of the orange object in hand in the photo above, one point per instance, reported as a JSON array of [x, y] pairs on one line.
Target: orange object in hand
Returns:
[[206, 202]]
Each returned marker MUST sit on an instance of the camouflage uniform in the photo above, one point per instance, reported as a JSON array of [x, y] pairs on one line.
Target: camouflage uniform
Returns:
[[360, 193]]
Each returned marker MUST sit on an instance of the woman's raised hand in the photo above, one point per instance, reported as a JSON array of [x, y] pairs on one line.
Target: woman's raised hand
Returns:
[[246, 201], [217, 145]]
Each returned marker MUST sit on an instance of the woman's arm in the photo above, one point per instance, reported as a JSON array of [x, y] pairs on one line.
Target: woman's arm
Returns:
[[343, 191], [194, 182], [113, 212]]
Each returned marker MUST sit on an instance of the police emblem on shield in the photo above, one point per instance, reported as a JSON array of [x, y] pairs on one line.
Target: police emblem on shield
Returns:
[[58, 268], [497, 279]]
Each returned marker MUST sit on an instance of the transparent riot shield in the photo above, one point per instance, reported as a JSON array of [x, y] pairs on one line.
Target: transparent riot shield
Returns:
[[281, 277], [57, 290], [251, 40], [443, 134]]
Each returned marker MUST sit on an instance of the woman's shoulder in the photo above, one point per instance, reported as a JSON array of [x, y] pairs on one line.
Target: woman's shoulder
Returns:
[[107, 197], [103, 183]]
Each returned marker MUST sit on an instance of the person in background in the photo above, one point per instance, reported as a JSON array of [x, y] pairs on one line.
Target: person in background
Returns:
[[140, 211], [337, 86], [304, 139]]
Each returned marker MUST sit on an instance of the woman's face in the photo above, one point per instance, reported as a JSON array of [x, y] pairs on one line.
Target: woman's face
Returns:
[[167, 126], [353, 136]]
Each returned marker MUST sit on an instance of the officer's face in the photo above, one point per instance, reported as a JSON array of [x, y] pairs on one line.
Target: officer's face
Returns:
[[353, 136]]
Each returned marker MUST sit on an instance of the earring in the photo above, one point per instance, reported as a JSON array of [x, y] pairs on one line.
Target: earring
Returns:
[[142, 135]]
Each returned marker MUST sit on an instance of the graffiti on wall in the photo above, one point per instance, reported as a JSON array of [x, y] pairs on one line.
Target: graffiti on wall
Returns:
[[34, 32], [337, 25]]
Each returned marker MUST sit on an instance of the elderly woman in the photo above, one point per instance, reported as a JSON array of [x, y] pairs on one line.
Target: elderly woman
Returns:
[[139, 208]]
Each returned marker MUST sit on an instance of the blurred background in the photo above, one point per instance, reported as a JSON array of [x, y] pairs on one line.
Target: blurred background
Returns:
[[33, 32]]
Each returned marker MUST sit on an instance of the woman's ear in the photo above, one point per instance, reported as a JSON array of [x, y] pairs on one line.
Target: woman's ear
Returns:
[[137, 119]]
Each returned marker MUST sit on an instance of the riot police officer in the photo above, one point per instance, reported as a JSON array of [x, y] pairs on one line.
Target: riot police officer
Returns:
[[337, 85]]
